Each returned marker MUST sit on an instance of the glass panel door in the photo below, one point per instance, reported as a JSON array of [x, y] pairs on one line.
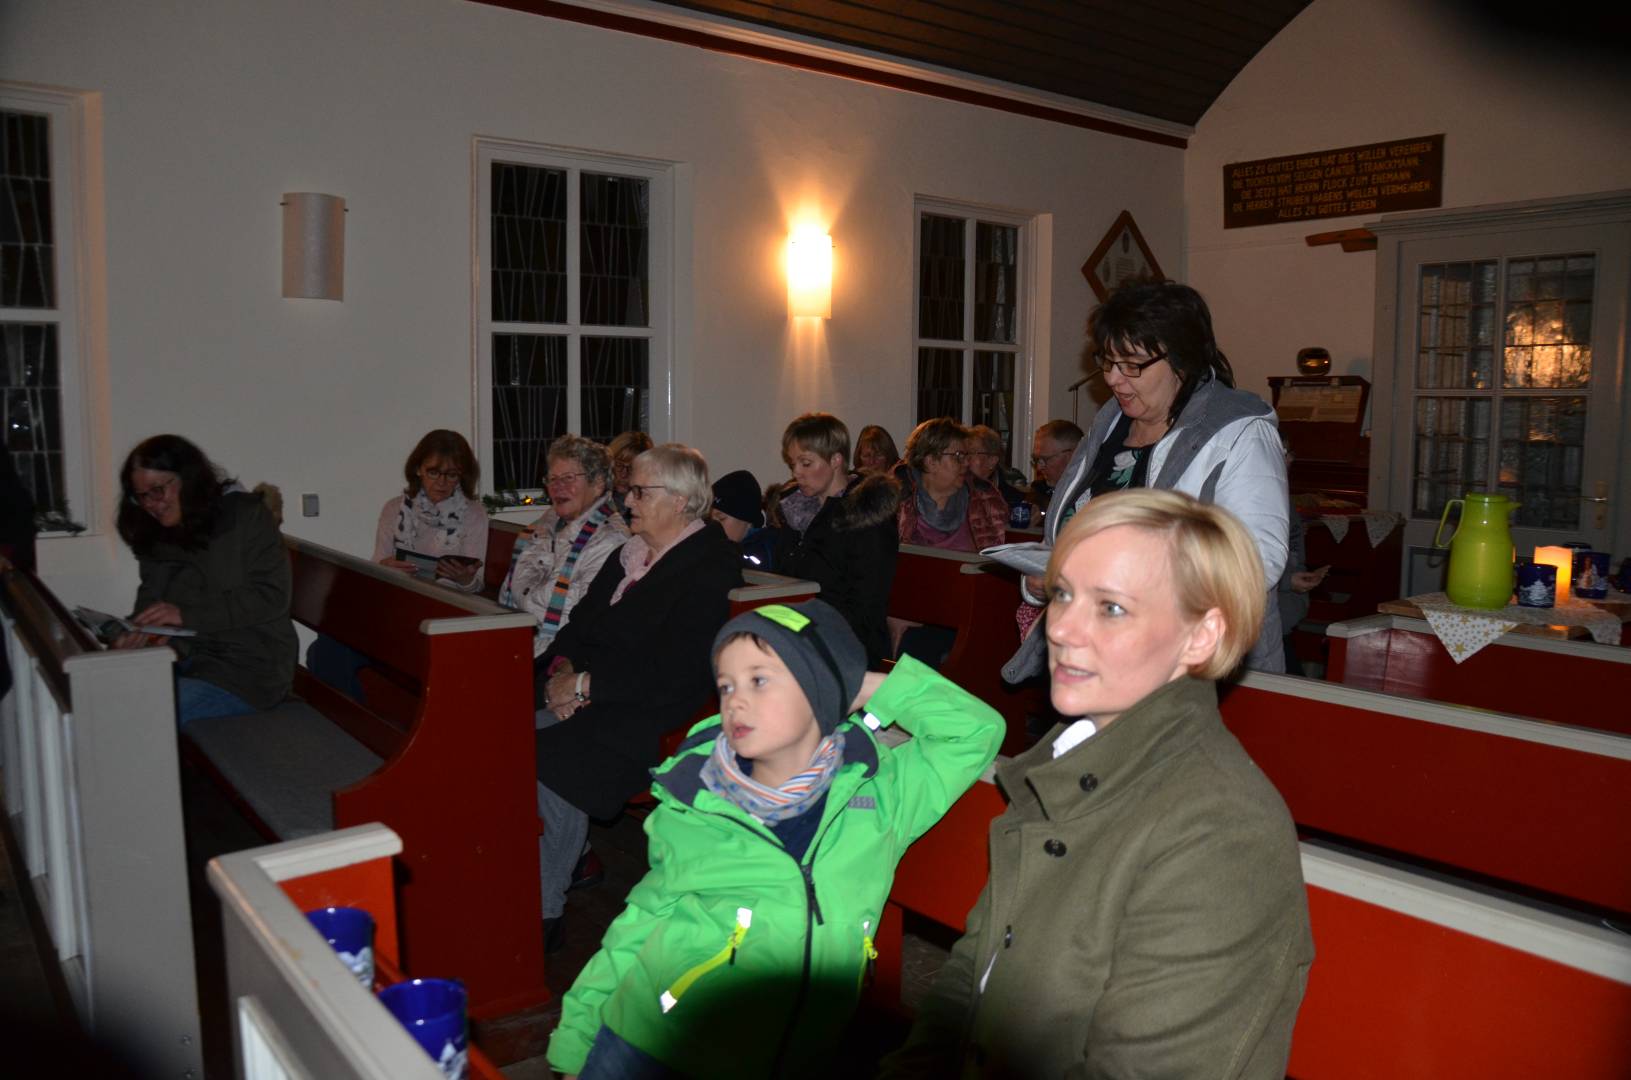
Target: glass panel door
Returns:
[[1509, 357]]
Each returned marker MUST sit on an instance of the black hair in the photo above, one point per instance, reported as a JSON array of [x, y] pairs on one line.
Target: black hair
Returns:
[[202, 486], [1163, 319]]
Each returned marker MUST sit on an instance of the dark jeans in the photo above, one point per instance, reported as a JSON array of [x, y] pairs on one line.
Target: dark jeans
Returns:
[[613, 1058], [337, 665]]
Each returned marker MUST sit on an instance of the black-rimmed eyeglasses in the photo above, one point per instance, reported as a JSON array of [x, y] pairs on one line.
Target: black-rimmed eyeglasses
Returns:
[[1132, 369]]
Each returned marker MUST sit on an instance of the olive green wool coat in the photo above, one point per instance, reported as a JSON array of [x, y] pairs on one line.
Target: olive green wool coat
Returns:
[[1145, 914]]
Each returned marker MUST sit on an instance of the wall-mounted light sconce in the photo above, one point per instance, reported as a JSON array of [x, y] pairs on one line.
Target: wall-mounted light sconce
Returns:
[[809, 275], [313, 246]]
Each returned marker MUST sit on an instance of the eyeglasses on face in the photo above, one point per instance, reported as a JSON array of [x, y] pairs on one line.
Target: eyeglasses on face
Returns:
[[1040, 460], [1130, 368], [621, 467], [156, 494], [637, 492], [441, 476], [564, 479], [956, 455]]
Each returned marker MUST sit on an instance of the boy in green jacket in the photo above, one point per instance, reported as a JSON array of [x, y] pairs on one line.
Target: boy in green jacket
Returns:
[[773, 848]]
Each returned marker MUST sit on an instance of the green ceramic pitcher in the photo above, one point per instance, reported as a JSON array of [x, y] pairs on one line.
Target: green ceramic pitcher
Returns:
[[1481, 573]]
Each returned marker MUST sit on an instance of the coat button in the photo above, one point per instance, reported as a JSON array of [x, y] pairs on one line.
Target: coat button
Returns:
[[1088, 781], [1008, 937], [1056, 848]]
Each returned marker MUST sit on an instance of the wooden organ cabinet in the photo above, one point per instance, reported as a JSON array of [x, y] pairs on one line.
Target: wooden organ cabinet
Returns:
[[1322, 423]]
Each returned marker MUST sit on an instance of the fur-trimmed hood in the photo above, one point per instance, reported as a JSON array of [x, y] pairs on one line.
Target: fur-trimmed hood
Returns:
[[867, 501]]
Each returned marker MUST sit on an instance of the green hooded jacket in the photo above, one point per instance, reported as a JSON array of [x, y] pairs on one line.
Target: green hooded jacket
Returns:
[[734, 959]]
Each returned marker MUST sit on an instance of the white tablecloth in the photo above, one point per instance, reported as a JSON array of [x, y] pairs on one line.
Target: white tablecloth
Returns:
[[1465, 630]]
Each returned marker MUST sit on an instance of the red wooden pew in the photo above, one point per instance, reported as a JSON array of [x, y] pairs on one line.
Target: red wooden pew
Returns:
[[1573, 682], [977, 598], [448, 767], [1536, 805], [292, 998]]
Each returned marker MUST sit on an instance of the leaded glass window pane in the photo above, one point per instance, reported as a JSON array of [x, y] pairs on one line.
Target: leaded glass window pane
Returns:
[[529, 244], [994, 395], [31, 411], [940, 279], [939, 383], [27, 248], [1457, 315], [529, 406], [614, 231], [996, 281], [1548, 322], [1452, 450], [1542, 451], [616, 386]]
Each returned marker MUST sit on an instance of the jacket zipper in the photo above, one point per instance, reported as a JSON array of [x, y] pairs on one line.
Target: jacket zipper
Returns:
[[869, 956], [671, 997]]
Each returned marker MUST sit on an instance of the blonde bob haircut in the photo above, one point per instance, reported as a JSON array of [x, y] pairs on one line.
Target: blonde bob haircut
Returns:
[[683, 471], [1212, 561]]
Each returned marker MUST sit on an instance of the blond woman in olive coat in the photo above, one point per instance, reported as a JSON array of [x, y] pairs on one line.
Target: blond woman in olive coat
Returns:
[[1145, 914]]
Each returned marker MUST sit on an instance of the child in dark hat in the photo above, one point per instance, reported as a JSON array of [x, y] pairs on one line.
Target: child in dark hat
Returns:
[[773, 848], [739, 509]]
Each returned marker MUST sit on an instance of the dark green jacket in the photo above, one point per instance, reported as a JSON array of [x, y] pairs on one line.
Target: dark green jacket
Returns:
[[235, 592], [1145, 914]]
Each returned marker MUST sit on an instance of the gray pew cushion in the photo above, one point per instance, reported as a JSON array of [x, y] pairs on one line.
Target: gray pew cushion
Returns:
[[285, 763]]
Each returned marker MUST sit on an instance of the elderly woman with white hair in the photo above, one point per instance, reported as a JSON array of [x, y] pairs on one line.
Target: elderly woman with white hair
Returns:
[[632, 664], [1145, 913]]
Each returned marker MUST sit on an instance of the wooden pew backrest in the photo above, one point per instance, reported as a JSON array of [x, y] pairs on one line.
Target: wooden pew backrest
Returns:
[[1538, 805], [1542, 678], [298, 1011], [93, 794], [977, 598], [1416, 978]]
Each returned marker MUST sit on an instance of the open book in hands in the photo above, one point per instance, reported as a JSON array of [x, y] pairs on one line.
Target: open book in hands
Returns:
[[1030, 558], [108, 627]]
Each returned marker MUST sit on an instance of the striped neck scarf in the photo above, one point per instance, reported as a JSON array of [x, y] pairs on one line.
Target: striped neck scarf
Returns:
[[725, 778], [563, 581]]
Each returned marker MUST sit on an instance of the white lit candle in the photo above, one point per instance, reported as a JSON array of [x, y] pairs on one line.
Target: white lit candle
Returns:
[[1563, 559]]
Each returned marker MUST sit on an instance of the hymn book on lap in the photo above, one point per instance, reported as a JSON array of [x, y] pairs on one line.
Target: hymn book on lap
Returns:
[[107, 628]]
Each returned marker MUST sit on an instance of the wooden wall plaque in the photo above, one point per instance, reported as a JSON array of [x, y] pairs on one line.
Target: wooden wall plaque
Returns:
[[1377, 178]]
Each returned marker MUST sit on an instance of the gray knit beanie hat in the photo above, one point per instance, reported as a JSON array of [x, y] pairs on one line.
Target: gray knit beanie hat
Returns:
[[818, 647]]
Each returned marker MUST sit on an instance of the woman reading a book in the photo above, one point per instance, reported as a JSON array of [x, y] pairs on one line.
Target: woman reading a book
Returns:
[[211, 561], [437, 516]]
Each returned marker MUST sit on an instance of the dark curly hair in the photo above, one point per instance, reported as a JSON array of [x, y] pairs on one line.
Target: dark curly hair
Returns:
[[202, 485], [1164, 319], [451, 447]]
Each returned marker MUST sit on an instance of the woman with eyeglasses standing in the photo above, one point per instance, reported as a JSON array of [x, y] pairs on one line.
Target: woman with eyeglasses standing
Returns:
[[438, 513], [942, 504], [1176, 421], [212, 561], [558, 557]]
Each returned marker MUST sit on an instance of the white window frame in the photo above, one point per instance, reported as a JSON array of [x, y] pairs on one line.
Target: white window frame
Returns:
[[75, 170], [1029, 314], [664, 228]]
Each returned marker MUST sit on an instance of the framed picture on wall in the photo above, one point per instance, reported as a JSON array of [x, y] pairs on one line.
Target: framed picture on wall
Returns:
[[1121, 255]]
